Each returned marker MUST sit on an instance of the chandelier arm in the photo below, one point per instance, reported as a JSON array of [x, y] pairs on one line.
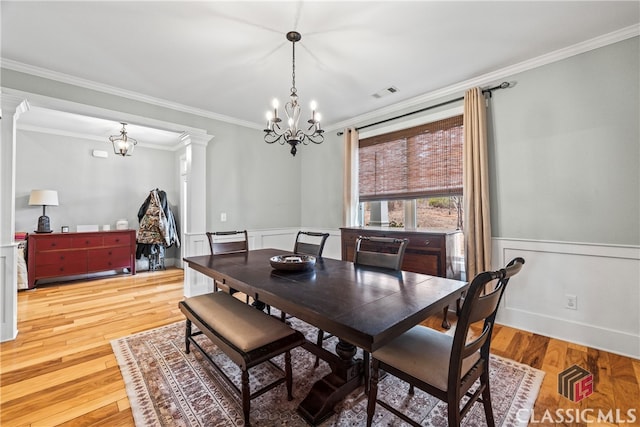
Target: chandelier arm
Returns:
[[272, 137], [316, 138]]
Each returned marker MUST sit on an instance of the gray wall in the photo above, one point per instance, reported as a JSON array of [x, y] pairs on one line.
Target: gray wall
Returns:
[[256, 184], [90, 190], [566, 150]]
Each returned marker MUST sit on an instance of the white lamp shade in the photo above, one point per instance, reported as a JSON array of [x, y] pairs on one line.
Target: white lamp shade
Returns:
[[43, 197]]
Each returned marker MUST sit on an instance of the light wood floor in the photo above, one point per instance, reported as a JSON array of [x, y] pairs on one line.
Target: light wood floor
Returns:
[[61, 371]]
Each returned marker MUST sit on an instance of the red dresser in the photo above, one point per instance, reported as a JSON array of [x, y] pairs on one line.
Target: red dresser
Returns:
[[71, 254]]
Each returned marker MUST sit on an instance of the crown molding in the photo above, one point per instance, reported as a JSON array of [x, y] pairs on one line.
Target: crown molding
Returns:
[[102, 140], [112, 90], [456, 89], [496, 76]]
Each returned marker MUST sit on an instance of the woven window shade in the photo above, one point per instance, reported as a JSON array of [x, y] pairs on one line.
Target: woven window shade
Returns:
[[423, 161]]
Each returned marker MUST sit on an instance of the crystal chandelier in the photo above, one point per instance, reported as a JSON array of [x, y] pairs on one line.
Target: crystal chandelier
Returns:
[[292, 134], [122, 144]]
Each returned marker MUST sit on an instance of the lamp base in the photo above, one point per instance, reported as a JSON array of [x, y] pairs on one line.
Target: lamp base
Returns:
[[43, 225]]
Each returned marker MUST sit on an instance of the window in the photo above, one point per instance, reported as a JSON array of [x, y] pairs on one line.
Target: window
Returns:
[[413, 177]]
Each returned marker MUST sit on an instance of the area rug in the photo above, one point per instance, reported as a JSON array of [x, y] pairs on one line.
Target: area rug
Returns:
[[167, 387]]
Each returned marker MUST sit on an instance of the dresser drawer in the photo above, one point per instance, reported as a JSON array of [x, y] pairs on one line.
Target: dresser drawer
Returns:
[[109, 258], [60, 257], [53, 242], [87, 242], [67, 269], [117, 240], [421, 262]]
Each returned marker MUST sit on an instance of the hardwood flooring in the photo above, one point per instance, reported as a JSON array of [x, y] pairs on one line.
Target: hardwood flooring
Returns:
[[61, 371]]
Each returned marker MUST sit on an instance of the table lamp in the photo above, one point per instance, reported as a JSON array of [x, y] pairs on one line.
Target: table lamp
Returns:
[[44, 198]]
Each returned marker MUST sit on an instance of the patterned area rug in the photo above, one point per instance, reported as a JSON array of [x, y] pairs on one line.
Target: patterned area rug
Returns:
[[167, 387]]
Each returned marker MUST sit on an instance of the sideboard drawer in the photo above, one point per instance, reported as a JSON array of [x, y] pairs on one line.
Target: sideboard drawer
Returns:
[[117, 240], [87, 242], [60, 257], [66, 269], [50, 242], [109, 258]]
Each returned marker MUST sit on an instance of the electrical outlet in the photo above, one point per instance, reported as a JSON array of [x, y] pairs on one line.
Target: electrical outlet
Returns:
[[571, 302], [223, 216]]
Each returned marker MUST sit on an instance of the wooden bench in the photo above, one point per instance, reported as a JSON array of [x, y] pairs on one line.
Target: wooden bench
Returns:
[[247, 336]]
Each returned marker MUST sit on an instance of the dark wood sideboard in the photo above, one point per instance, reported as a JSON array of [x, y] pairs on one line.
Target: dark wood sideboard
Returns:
[[428, 252], [71, 254]]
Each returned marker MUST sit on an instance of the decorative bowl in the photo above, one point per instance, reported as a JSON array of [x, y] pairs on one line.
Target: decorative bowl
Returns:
[[292, 262]]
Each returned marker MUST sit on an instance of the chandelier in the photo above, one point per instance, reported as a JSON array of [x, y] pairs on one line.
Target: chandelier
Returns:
[[122, 144], [292, 134]]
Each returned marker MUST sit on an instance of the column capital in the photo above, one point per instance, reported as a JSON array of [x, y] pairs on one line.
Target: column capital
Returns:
[[195, 138]]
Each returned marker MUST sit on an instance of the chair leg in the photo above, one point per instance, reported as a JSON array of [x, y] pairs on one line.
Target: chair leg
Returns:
[[453, 411], [486, 399], [373, 392], [319, 344], [187, 334], [288, 374], [411, 390], [246, 396]]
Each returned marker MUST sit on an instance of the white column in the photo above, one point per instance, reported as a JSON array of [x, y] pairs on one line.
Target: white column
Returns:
[[194, 186], [12, 108]]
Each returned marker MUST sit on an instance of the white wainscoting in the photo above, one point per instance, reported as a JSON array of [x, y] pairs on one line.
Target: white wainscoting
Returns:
[[196, 283], [8, 292], [605, 279]]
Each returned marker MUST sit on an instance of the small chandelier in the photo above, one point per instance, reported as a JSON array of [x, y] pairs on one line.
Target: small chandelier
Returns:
[[122, 144], [292, 134]]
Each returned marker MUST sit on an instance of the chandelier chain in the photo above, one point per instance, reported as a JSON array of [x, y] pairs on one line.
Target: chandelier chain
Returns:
[[293, 69]]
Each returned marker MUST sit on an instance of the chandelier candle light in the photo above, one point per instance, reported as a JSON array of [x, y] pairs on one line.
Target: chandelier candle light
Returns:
[[122, 144], [292, 134]]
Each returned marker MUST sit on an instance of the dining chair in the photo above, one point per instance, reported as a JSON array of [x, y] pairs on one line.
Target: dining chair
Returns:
[[385, 252], [446, 366], [310, 243], [228, 242]]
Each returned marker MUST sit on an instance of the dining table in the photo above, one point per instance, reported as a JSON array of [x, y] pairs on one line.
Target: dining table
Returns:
[[365, 307]]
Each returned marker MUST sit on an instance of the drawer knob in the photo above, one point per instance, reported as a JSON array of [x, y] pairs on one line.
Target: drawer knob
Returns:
[[426, 243]]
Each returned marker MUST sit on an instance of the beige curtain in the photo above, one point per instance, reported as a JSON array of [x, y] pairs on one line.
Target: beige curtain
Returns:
[[350, 194], [477, 221]]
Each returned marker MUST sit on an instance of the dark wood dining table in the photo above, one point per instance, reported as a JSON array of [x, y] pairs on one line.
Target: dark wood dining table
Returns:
[[364, 307]]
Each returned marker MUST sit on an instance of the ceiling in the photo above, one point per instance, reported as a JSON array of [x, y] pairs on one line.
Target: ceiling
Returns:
[[228, 60]]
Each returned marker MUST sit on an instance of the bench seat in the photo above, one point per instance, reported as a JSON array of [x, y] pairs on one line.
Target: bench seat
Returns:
[[247, 336]]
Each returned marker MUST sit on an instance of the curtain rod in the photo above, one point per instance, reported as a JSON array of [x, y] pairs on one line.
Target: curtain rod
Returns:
[[502, 85]]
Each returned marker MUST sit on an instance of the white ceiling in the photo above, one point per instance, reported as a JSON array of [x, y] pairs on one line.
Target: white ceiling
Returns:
[[228, 60]]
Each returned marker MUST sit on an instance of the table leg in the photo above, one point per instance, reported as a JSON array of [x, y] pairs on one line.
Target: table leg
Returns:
[[445, 320], [345, 376]]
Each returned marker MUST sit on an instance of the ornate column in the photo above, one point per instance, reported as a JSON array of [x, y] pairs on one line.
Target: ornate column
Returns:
[[193, 208], [12, 108]]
